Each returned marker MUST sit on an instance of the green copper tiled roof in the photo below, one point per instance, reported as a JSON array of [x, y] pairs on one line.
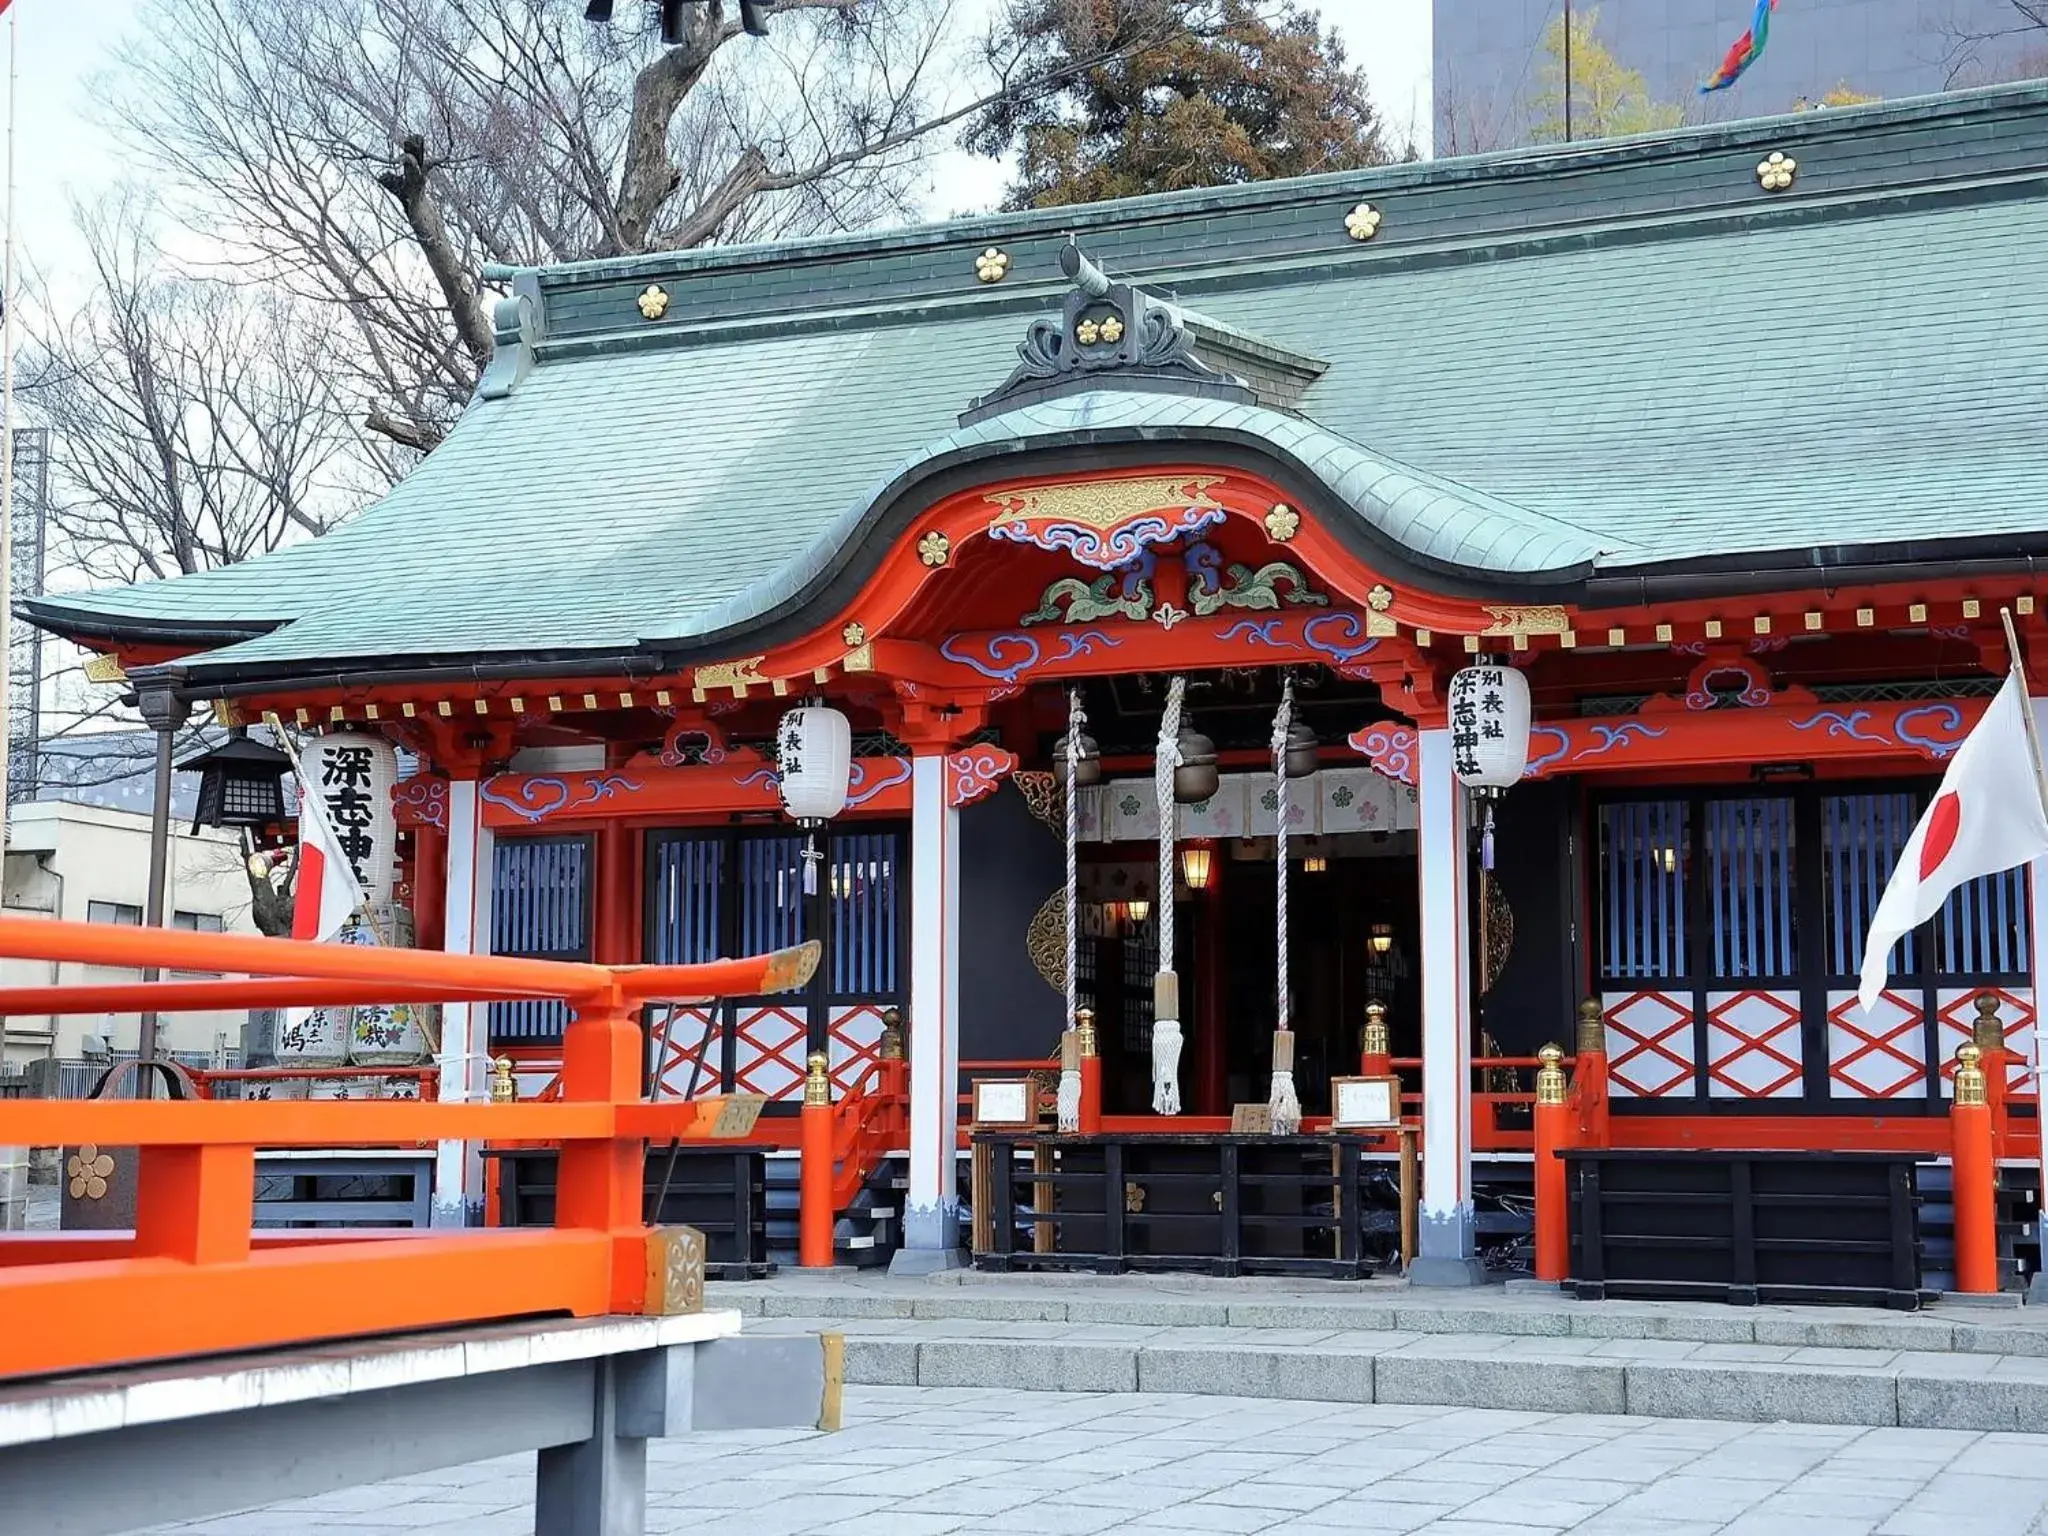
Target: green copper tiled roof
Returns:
[[1611, 361]]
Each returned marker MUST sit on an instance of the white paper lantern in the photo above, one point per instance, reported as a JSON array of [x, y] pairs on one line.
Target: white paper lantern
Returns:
[[813, 760], [353, 774], [1489, 727]]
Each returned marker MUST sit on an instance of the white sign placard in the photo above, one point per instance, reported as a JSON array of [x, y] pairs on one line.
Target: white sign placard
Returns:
[[1360, 1102], [1003, 1101]]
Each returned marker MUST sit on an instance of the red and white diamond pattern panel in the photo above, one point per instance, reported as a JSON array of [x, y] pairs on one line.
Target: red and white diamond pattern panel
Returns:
[[1957, 1009], [677, 1042], [1882, 1055], [768, 1052], [536, 1077], [856, 1043], [1649, 1044], [1753, 1045]]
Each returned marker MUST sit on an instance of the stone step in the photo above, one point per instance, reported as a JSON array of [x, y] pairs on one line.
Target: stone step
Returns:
[[1378, 1307], [1645, 1378]]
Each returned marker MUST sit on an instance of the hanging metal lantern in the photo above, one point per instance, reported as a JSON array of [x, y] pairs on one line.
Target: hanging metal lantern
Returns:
[[1087, 761], [241, 783], [1196, 779], [1303, 754], [813, 764], [1489, 736]]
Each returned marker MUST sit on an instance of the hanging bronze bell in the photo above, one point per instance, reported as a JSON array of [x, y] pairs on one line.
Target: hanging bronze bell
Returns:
[[1196, 779], [1087, 761], [1302, 755]]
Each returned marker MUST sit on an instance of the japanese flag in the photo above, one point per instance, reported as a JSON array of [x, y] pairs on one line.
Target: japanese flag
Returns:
[[328, 892], [1986, 817]]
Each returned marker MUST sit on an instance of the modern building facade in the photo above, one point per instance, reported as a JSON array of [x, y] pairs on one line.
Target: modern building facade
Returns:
[[1489, 61], [1693, 434]]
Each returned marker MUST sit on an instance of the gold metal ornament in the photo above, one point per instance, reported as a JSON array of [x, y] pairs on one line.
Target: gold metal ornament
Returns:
[[1112, 330], [991, 265], [855, 633], [1282, 523], [1550, 1084], [792, 967], [504, 1088], [934, 549], [1087, 333], [653, 302], [1362, 222], [89, 1170], [1380, 598], [1045, 941], [1134, 1196], [1969, 1075], [1775, 172], [817, 1080]]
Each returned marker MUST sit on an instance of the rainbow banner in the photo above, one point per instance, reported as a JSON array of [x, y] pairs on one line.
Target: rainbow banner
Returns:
[[1745, 51]]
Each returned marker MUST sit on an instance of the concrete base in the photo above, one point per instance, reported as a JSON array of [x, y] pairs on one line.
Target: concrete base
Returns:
[[2037, 1290], [925, 1261], [200, 1438], [1523, 1286], [1992, 1301], [1438, 1272]]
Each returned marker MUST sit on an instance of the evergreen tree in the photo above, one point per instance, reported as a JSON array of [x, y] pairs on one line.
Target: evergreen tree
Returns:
[[1198, 94]]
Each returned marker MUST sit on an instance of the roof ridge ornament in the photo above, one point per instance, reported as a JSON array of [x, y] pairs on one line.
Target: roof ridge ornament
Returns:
[[1108, 334]]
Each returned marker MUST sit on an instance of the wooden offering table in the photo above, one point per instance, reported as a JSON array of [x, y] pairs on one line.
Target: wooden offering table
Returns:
[[1218, 1204]]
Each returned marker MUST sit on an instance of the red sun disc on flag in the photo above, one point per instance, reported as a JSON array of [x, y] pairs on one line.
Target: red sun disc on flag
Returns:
[[1943, 824]]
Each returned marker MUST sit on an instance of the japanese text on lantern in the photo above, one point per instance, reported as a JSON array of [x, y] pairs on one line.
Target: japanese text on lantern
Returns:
[[345, 785], [1478, 714]]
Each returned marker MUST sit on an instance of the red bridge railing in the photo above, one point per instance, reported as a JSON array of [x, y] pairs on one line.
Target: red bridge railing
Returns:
[[193, 1278]]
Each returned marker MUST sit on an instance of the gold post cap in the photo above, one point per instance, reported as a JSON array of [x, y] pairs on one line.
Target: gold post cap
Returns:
[[1084, 1030], [1592, 1028], [817, 1082], [1988, 1031], [504, 1090], [1373, 1042], [1969, 1075], [1550, 1084]]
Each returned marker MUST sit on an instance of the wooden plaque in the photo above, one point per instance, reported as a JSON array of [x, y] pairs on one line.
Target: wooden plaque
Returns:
[[737, 1116], [1005, 1103], [1365, 1103], [1251, 1120]]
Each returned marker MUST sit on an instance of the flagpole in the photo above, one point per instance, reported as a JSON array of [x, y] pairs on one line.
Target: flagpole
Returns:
[[2034, 875]]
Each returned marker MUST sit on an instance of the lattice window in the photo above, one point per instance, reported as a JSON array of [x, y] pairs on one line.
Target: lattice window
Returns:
[[1983, 929], [1644, 852], [1750, 871], [540, 910], [1861, 837], [1141, 964], [863, 939]]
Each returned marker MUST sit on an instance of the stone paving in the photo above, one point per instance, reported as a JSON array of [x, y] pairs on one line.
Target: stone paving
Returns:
[[921, 1461]]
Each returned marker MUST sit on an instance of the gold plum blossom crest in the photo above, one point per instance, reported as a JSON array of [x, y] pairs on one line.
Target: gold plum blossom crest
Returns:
[[1087, 333], [1112, 330], [1283, 522], [1362, 222], [88, 1171], [991, 265], [934, 548], [1380, 598], [1775, 171], [653, 301], [855, 632]]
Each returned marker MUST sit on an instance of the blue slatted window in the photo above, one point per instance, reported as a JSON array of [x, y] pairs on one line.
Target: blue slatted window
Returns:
[[1861, 837], [769, 901], [1749, 851], [1984, 929], [863, 940], [688, 880], [1644, 847], [540, 910]]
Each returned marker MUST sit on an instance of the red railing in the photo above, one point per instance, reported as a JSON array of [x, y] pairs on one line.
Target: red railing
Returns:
[[192, 1278]]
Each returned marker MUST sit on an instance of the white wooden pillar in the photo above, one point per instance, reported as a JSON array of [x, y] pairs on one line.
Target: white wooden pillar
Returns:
[[2037, 929], [458, 1168], [931, 1212], [1445, 1252]]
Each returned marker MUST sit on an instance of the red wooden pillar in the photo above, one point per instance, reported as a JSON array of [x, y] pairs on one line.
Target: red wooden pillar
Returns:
[[1212, 985], [1553, 1135], [599, 1187], [816, 1213], [1975, 1170], [430, 886], [615, 925]]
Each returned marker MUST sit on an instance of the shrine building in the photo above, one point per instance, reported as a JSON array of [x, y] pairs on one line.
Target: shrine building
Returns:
[[1725, 442]]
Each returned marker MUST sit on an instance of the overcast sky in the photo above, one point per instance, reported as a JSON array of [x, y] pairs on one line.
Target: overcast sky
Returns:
[[62, 155]]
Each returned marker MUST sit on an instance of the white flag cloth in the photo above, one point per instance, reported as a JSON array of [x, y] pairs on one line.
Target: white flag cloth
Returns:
[[324, 871], [1985, 818]]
